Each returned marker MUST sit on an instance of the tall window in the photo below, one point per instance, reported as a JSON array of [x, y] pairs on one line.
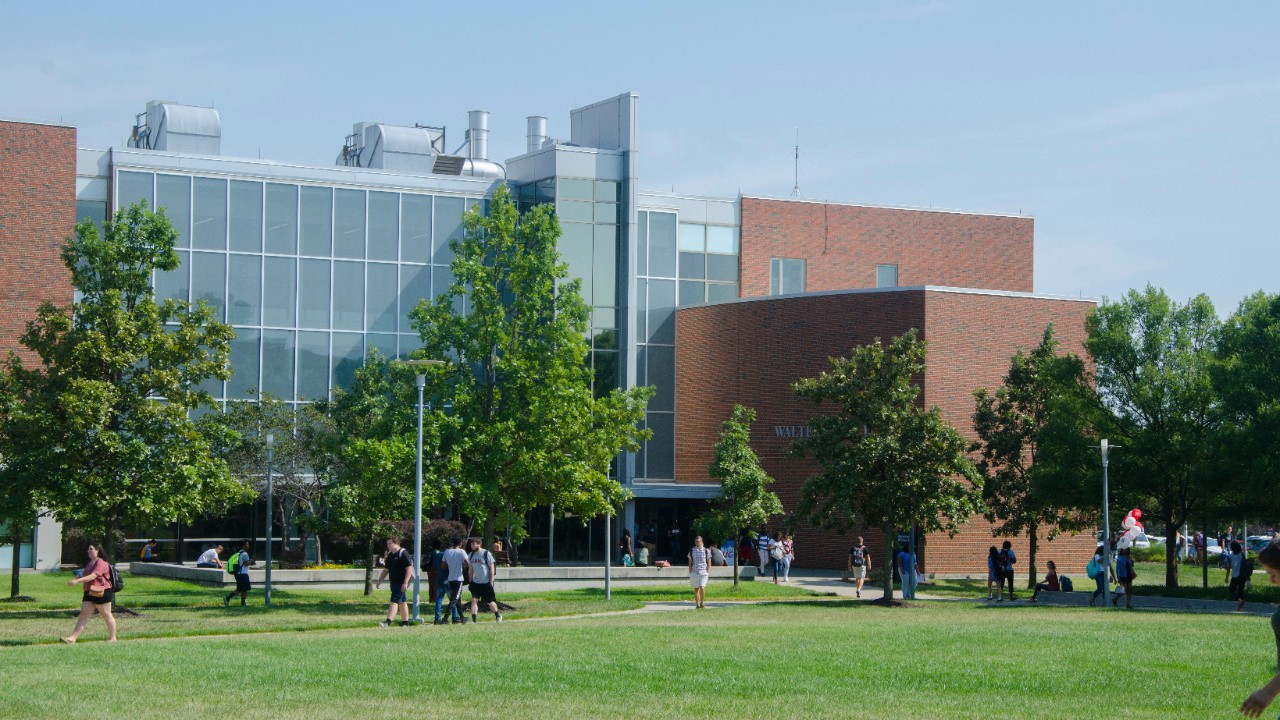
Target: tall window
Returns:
[[886, 276], [786, 276]]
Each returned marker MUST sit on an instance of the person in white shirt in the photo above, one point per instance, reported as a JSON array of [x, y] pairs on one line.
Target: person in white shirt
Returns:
[[482, 577], [763, 544], [455, 560], [699, 571], [209, 558]]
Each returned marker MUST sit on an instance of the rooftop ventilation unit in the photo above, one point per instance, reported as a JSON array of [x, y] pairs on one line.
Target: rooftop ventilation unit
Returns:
[[177, 128], [420, 150]]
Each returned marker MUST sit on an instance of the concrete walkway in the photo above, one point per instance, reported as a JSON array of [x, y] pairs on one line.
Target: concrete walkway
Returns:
[[1165, 604]]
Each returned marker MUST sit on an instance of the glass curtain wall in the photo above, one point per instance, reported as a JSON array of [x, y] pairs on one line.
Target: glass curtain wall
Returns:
[[310, 277], [680, 265]]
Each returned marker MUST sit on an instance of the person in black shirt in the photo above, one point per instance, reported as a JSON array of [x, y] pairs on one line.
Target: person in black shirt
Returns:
[[1262, 697], [859, 564], [399, 565]]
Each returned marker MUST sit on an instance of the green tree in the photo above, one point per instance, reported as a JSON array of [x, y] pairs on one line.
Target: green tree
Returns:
[[1247, 378], [366, 447], [1030, 470], [298, 489], [886, 462], [18, 506], [100, 424], [1153, 359], [745, 499], [524, 425]]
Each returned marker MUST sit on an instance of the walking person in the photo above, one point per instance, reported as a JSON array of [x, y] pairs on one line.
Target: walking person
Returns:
[[1007, 559], [1125, 573], [907, 571], [238, 565], [775, 555], [1098, 571], [624, 546], [993, 572], [483, 573], [1235, 591], [699, 571], [98, 594], [399, 565], [1262, 697], [859, 565], [439, 576], [788, 555], [455, 560], [762, 544], [1050, 583]]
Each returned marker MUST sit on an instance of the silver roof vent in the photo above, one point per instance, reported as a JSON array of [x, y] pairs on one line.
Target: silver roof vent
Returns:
[[178, 128], [536, 135], [421, 149]]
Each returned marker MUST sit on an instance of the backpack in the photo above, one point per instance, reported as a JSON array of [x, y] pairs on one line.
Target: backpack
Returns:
[[1246, 569], [117, 582], [232, 562], [1092, 570], [859, 556], [1006, 563], [776, 552], [1065, 584]]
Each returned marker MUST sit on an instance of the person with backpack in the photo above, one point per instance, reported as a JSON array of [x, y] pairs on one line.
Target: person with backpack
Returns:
[[399, 565], [1262, 697], [483, 571], [438, 576], [1050, 583], [859, 565], [1125, 574], [238, 567], [1097, 571], [699, 571], [776, 554], [99, 594], [1007, 559], [1235, 591]]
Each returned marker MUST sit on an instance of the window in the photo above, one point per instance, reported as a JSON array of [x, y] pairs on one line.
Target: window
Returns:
[[886, 276], [786, 276]]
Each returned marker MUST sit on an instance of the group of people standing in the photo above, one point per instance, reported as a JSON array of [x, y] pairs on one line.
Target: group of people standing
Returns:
[[775, 552]]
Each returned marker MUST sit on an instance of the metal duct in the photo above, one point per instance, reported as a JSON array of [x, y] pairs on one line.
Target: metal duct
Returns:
[[537, 134], [478, 135]]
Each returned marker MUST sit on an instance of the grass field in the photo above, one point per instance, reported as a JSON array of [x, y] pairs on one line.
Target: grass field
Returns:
[[169, 608], [811, 659]]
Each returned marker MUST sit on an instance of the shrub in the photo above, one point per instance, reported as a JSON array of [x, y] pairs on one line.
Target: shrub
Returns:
[[1155, 553]]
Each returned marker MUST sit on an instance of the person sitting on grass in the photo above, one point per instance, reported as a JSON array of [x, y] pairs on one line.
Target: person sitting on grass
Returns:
[[209, 558], [1050, 583], [1262, 697]]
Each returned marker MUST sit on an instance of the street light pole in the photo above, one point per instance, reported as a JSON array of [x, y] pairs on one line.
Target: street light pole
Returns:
[[608, 552], [421, 381], [271, 439], [1106, 525]]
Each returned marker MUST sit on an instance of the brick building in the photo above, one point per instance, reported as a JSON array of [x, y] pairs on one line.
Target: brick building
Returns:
[[314, 265]]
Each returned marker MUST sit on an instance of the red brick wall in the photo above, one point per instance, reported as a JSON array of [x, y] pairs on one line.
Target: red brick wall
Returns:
[[752, 352], [842, 245], [37, 214]]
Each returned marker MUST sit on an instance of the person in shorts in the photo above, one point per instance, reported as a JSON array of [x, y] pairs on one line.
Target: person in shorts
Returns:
[[699, 571], [241, 575], [1262, 697], [98, 594], [482, 577], [399, 565], [859, 565]]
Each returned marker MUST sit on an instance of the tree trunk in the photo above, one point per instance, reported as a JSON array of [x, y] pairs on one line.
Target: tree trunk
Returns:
[[1031, 560], [15, 585], [890, 539], [368, 566], [487, 538], [1170, 551], [737, 562]]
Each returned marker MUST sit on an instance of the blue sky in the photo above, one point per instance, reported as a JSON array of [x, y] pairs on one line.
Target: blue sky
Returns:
[[1142, 137]]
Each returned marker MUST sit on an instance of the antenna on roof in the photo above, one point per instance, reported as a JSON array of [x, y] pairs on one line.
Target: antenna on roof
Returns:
[[795, 191]]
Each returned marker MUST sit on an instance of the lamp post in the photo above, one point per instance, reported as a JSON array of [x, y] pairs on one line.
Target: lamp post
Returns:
[[271, 441], [1106, 523], [421, 382], [608, 553]]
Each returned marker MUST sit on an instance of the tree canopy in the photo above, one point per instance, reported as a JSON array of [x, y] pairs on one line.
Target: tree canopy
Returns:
[[523, 423], [100, 424], [886, 462], [745, 500]]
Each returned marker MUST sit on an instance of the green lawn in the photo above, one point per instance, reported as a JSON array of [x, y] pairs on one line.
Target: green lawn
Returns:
[[817, 659], [171, 608]]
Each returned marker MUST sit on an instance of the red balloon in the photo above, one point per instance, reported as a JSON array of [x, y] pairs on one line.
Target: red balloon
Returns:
[[1136, 513]]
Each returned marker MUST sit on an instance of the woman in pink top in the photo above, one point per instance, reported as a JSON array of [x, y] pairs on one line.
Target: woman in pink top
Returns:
[[98, 596]]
